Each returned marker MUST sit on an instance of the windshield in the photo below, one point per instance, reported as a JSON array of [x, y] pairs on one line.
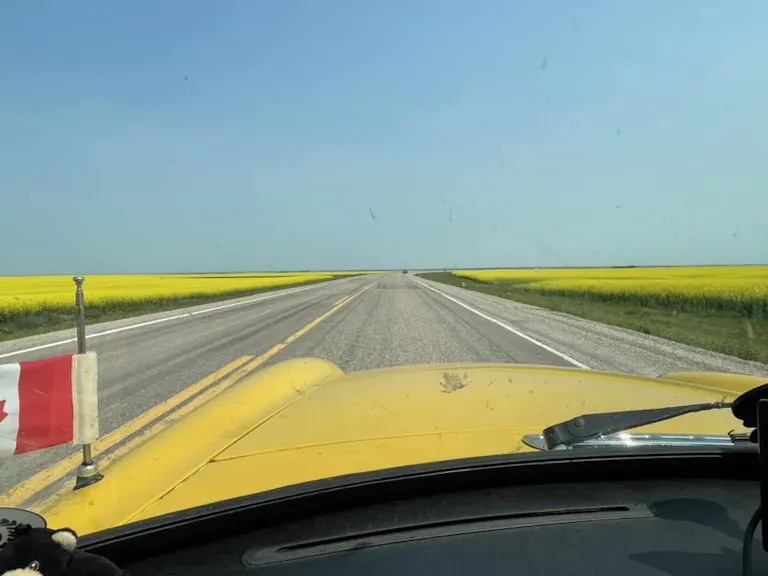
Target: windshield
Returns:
[[248, 245]]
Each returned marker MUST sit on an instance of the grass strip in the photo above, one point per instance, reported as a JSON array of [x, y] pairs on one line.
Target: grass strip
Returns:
[[732, 334]]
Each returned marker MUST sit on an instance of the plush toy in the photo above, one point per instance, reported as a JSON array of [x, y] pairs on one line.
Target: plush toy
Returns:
[[46, 552]]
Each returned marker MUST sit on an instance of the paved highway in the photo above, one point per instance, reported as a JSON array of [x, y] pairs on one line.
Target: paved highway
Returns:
[[158, 366]]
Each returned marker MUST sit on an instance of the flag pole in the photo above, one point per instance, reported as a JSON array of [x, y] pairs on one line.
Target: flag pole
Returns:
[[88, 471]]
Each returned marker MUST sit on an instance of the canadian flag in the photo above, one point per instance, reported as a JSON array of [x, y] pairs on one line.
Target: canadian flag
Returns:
[[48, 402]]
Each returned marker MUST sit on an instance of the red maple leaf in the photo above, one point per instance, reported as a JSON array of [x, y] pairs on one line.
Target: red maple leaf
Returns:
[[2, 411]]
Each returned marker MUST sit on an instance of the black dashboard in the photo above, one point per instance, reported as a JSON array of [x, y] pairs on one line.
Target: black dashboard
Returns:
[[671, 512]]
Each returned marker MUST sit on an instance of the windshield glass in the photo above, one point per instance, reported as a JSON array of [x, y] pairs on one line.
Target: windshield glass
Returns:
[[319, 238]]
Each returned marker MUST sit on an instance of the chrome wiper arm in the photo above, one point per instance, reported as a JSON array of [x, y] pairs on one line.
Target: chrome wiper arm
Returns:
[[589, 426]]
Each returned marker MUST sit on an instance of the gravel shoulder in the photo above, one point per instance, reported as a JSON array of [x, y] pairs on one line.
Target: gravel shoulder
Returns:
[[600, 346]]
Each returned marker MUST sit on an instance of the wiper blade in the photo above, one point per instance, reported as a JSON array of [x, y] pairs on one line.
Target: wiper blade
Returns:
[[589, 426]]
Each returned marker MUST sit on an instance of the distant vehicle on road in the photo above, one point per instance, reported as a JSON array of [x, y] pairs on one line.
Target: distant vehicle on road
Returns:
[[405, 271]]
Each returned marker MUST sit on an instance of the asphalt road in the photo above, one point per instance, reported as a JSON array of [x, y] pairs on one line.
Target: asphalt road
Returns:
[[395, 319]]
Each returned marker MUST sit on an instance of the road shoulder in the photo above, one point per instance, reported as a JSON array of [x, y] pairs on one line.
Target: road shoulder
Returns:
[[600, 346]]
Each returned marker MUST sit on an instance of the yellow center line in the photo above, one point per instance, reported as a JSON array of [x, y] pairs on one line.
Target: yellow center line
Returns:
[[169, 411], [221, 387]]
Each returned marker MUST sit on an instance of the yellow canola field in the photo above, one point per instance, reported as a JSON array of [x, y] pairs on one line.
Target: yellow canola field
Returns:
[[738, 289], [32, 294]]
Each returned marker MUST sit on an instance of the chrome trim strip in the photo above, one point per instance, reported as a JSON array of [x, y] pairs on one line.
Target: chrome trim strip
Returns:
[[628, 440]]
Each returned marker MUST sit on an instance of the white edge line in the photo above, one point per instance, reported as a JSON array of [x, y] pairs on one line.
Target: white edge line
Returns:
[[284, 292], [505, 326]]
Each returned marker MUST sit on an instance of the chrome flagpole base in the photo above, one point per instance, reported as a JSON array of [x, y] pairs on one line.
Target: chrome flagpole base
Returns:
[[87, 474]]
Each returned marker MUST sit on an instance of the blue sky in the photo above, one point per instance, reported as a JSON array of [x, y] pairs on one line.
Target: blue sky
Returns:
[[242, 135]]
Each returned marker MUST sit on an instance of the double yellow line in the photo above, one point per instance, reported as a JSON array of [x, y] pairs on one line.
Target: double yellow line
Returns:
[[133, 433]]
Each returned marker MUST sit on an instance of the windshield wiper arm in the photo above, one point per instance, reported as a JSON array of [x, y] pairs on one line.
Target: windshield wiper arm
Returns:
[[590, 426]]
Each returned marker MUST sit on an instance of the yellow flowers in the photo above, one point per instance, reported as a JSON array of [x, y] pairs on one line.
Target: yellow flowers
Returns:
[[34, 294], [732, 289]]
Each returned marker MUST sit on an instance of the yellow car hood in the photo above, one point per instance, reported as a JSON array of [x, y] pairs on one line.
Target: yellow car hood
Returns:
[[304, 420]]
